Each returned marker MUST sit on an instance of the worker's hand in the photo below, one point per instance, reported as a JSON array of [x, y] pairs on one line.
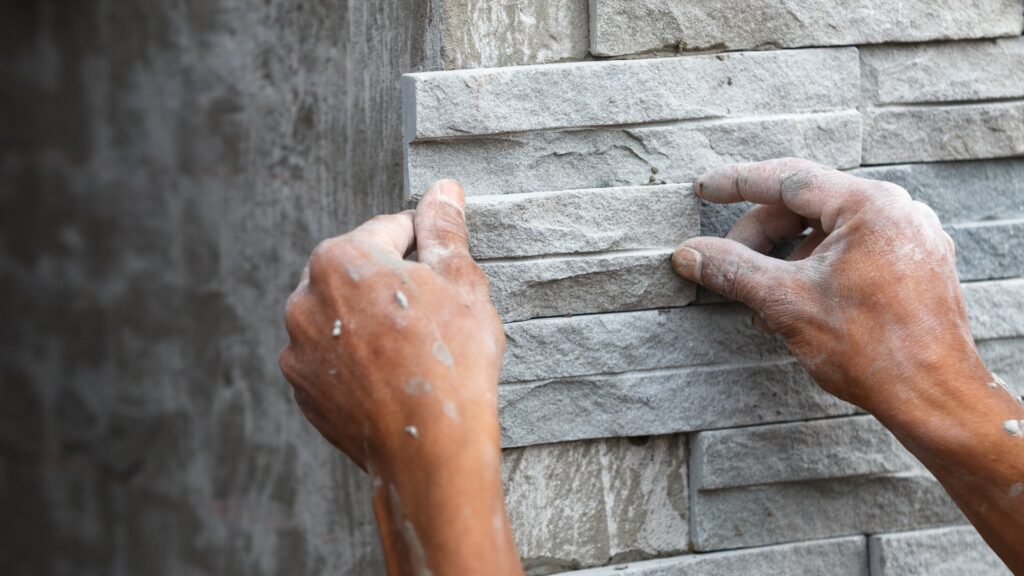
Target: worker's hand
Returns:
[[390, 357], [869, 303]]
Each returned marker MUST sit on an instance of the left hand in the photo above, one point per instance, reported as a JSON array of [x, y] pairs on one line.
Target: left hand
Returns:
[[388, 354]]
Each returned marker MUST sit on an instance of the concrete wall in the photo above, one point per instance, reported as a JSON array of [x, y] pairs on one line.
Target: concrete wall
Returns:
[[165, 169]]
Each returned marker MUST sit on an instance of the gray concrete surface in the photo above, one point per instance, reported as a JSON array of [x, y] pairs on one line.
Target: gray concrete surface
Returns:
[[165, 168]]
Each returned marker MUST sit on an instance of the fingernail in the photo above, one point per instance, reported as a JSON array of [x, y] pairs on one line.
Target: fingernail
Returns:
[[450, 192], [686, 262]]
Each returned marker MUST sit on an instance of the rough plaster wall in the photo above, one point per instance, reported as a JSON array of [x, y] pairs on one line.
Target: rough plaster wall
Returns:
[[165, 168]]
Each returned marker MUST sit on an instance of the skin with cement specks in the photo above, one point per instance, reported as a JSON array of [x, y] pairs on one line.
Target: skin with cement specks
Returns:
[[413, 399]]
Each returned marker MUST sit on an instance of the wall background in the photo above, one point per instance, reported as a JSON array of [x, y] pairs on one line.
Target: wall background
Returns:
[[165, 169]]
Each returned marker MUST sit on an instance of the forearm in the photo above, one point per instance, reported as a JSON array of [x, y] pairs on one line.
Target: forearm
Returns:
[[959, 429], [441, 510]]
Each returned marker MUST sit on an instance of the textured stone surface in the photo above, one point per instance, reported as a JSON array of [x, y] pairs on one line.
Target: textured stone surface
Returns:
[[499, 100], [579, 221], [649, 339], [620, 27], [790, 512], [478, 33], [583, 504], [654, 154], [996, 309], [817, 450], [943, 72], [682, 400], [524, 289], [939, 132], [989, 250], [839, 557], [625, 341], [960, 191], [955, 551], [665, 401]]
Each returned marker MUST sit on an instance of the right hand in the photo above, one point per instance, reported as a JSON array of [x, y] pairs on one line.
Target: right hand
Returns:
[[869, 303]]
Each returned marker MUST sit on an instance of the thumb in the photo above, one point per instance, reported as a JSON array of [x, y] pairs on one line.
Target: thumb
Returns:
[[732, 270], [442, 240]]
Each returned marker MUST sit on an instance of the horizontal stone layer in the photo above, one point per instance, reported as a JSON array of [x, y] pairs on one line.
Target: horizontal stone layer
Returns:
[[619, 27], [989, 250], [760, 515], [583, 94], [698, 335], [701, 398], [995, 309], [581, 504], [581, 221], [477, 33], [630, 341], [939, 132], [794, 452], [838, 557], [943, 72], [524, 289], [953, 551], [664, 401], [629, 156], [960, 192]]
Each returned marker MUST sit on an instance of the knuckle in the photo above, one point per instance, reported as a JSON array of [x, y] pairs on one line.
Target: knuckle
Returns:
[[324, 252], [800, 175], [890, 190], [288, 365], [291, 317], [925, 211], [727, 277]]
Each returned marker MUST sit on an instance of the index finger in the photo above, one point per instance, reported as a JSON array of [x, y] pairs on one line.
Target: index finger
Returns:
[[808, 189]]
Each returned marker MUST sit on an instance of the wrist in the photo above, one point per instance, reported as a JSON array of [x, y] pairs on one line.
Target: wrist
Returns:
[[949, 411], [443, 511]]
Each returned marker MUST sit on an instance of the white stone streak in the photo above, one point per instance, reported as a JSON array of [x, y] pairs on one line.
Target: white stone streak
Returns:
[[586, 502]]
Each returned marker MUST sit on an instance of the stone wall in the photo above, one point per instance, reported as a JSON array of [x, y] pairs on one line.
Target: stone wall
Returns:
[[578, 175], [165, 168]]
